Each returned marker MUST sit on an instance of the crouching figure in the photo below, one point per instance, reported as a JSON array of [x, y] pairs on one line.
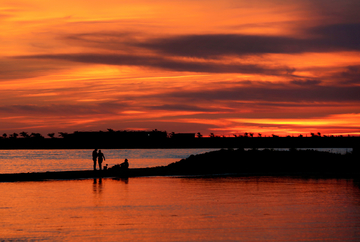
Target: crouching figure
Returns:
[[124, 165]]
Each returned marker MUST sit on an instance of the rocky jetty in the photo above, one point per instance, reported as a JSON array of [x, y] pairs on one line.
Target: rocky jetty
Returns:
[[226, 162]]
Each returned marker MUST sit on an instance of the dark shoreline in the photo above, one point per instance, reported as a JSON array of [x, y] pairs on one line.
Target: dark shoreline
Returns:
[[229, 162], [181, 143]]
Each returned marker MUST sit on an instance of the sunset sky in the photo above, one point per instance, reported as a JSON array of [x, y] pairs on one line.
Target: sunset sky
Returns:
[[224, 67]]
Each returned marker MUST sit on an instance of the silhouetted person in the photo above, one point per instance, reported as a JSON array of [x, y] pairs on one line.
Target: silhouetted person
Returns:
[[125, 164], [94, 155], [101, 157]]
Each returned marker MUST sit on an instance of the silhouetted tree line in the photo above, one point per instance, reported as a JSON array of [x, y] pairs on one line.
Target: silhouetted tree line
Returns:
[[142, 134], [162, 139]]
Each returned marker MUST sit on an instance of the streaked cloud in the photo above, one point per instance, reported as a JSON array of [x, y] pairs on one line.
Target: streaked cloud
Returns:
[[340, 37], [185, 66], [165, 63]]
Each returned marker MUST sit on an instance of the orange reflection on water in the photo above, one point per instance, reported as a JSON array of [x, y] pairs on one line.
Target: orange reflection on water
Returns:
[[181, 209]]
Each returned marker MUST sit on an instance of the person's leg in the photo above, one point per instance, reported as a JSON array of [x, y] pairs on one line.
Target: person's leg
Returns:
[[94, 165]]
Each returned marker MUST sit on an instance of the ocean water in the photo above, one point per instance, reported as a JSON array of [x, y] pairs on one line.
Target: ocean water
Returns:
[[19, 161], [181, 209]]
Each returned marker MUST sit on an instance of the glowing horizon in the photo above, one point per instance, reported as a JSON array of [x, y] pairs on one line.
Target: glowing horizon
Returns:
[[217, 67]]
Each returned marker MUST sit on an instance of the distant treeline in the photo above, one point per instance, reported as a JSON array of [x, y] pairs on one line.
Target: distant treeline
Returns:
[[162, 139], [143, 134]]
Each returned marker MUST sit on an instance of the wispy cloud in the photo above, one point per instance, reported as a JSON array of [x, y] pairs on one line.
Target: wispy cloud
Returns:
[[164, 63], [272, 93]]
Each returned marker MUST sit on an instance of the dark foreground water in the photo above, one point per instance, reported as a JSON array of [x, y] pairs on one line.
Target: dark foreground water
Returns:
[[181, 209]]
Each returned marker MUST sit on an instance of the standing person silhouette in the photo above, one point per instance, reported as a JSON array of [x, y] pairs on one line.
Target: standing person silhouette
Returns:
[[94, 156], [100, 159]]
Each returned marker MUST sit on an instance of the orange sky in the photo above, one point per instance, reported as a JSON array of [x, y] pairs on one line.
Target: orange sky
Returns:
[[223, 67]]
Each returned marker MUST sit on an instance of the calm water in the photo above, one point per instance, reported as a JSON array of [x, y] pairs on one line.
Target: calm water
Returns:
[[181, 209], [17, 161]]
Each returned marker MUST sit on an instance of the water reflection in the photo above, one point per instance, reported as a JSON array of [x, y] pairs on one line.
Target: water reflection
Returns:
[[182, 209], [123, 179], [97, 185]]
